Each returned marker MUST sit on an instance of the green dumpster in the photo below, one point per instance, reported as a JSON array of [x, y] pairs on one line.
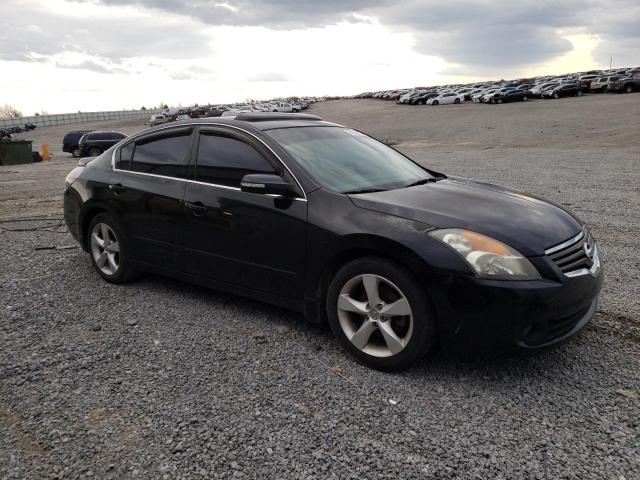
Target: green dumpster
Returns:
[[15, 152]]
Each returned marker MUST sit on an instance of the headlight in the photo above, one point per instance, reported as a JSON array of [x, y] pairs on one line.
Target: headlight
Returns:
[[487, 257]]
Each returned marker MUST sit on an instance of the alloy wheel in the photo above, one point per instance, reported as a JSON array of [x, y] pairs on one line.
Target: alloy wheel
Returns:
[[76, 152], [105, 248], [375, 315]]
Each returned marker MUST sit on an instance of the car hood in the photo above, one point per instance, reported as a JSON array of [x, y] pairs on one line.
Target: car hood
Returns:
[[524, 222]]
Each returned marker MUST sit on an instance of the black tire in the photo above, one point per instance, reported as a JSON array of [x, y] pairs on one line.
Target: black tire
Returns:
[[580, 93], [556, 96], [435, 102], [457, 100], [423, 336], [76, 152], [499, 101], [525, 98], [628, 88], [423, 102], [94, 151], [125, 272]]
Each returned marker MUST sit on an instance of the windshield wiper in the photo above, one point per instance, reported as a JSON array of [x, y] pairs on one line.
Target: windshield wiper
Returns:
[[422, 182], [364, 190]]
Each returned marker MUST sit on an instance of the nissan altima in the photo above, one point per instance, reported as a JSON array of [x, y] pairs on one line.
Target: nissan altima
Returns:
[[320, 218]]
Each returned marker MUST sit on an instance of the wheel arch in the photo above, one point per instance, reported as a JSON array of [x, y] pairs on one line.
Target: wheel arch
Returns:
[[87, 214], [350, 248]]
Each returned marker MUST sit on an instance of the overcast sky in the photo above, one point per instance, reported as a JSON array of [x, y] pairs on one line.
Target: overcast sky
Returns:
[[70, 55]]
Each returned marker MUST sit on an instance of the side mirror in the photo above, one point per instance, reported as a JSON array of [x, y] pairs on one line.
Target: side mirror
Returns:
[[266, 184]]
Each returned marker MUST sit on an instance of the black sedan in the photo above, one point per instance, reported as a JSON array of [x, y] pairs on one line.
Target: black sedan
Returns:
[[516, 95], [328, 221], [564, 90]]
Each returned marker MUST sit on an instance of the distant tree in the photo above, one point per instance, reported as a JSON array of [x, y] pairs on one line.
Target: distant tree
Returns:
[[143, 108], [7, 111]]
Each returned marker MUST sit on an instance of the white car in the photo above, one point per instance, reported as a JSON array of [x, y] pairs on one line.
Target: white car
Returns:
[[283, 107], [446, 98], [476, 96], [537, 89], [158, 120], [182, 117]]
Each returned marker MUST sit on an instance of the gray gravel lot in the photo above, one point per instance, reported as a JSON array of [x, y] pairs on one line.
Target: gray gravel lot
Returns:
[[161, 379]]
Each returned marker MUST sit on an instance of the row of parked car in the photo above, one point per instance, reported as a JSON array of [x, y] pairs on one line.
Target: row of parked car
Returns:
[[599, 81], [283, 106], [91, 143]]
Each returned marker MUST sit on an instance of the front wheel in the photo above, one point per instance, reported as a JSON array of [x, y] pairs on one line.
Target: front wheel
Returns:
[[76, 152], [379, 314], [435, 102], [579, 93], [109, 249], [628, 89], [525, 99], [556, 96], [457, 100], [499, 101]]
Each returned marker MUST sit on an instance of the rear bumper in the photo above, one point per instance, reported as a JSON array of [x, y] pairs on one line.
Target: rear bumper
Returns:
[[482, 316]]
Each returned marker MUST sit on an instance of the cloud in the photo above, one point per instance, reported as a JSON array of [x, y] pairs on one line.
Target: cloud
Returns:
[[479, 35], [92, 66], [107, 33], [275, 14], [269, 77]]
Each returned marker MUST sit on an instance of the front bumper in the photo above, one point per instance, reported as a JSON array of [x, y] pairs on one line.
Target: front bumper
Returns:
[[480, 316]]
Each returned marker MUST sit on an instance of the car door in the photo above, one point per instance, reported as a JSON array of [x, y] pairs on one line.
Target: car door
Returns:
[[147, 190], [244, 239]]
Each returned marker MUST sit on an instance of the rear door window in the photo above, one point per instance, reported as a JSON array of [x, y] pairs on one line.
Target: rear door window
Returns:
[[166, 155], [123, 160]]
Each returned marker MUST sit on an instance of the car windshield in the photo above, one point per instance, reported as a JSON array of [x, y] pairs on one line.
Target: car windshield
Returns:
[[346, 161]]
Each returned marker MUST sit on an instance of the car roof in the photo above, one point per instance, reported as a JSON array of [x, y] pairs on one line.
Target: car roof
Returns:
[[258, 120]]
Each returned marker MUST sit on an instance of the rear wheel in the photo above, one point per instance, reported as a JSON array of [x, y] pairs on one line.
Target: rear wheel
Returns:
[[556, 96], [109, 250], [76, 152], [379, 314], [579, 93], [435, 102], [457, 100], [628, 88], [499, 100], [525, 98]]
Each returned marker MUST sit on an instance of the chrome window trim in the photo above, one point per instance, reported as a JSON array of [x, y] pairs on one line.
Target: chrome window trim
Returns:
[[215, 185], [566, 244], [140, 134]]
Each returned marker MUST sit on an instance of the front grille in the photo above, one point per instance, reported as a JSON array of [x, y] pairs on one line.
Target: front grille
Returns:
[[575, 254]]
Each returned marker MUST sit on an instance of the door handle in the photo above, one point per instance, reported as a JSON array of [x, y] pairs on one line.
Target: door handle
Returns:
[[117, 188], [197, 208]]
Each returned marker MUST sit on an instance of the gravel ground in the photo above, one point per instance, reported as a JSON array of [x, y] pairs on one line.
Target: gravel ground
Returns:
[[161, 379]]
